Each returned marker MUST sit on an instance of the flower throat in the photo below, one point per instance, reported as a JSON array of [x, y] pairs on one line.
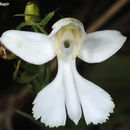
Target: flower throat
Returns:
[[68, 36]]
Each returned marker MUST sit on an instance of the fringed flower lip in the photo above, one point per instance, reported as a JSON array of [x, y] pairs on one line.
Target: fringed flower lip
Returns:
[[68, 92]]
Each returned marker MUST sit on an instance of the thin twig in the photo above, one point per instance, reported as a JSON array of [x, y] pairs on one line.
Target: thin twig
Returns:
[[17, 69], [107, 15]]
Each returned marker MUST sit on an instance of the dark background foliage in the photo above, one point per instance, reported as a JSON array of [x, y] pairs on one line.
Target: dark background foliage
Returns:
[[113, 74]]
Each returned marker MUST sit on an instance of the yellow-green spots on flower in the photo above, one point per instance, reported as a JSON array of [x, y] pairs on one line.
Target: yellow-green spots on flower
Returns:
[[19, 45]]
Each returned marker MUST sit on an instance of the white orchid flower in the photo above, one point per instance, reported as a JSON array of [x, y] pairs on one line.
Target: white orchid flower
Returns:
[[68, 91]]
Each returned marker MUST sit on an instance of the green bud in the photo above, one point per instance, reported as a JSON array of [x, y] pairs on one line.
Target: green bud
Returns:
[[32, 9]]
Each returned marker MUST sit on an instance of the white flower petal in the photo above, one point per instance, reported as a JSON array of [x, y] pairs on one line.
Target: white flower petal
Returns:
[[72, 99], [96, 103], [100, 45], [63, 22], [49, 104], [32, 47]]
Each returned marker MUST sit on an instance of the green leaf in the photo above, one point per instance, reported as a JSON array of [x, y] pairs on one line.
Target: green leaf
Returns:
[[30, 72], [41, 29], [47, 18], [35, 29], [35, 16], [23, 24], [26, 77], [30, 68]]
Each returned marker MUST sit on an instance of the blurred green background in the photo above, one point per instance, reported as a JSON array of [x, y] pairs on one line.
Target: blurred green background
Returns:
[[113, 74]]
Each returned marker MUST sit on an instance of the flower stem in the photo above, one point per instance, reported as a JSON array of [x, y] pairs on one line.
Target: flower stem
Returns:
[[107, 15]]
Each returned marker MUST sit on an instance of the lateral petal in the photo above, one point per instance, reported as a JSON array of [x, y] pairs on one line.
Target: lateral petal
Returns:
[[100, 45], [32, 47]]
